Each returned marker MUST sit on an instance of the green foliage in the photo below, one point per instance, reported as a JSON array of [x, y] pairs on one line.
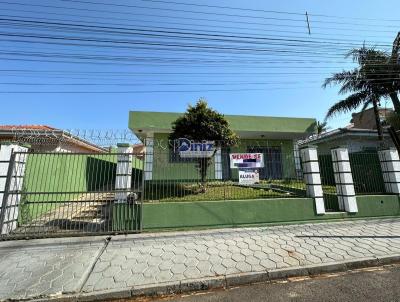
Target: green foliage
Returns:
[[393, 119], [201, 123], [377, 76]]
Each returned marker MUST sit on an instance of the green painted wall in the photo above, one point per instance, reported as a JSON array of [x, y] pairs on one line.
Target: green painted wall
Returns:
[[162, 121], [62, 173], [67, 172], [378, 205], [164, 169], [184, 215]]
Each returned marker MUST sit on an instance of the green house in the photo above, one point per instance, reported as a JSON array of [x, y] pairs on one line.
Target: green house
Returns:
[[275, 137]]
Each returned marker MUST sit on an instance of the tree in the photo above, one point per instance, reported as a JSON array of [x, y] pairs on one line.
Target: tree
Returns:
[[376, 76], [201, 123]]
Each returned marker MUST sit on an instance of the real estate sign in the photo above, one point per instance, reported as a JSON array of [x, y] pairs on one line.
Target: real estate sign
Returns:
[[246, 160], [189, 149], [248, 176]]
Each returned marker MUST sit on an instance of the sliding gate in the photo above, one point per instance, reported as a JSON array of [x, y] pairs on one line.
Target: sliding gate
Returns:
[[65, 194]]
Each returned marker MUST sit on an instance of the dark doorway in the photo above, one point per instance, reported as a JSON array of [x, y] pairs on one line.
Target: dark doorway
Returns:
[[272, 161], [226, 170]]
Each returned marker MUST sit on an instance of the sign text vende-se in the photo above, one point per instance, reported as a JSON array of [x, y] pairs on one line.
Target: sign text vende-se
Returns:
[[246, 160]]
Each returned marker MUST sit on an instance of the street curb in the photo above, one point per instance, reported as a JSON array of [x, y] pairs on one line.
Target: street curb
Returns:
[[223, 281]]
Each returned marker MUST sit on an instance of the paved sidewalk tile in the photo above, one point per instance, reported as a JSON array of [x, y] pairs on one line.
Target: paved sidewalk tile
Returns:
[[40, 267], [43, 267], [138, 260]]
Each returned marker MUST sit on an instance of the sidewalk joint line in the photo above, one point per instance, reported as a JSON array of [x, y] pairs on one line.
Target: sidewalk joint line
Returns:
[[88, 272]]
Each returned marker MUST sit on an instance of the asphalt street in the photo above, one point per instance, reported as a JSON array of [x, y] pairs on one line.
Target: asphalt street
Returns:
[[372, 284]]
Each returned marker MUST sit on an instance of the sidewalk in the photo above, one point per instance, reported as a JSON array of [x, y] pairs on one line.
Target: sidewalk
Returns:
[[171, 262]]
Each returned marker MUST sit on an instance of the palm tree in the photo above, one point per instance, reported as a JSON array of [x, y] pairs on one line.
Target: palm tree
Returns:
[[321, 127], [375, 77]]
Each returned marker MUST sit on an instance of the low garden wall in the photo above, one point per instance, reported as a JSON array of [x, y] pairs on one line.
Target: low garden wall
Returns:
[[213, 214]]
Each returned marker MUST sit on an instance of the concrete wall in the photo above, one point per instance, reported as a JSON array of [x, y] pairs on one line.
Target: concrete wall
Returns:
[[186, 215]]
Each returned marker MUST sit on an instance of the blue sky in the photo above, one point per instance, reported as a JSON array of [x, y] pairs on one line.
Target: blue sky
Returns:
[[254, 84]]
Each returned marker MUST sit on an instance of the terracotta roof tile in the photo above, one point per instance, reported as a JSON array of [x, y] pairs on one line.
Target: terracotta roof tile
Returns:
[[26, 127]]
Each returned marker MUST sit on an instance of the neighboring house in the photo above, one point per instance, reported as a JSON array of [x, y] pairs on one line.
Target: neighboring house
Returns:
[[272, 136], [138, 150], [47, 139], [360, 135], [366, 118], [356, 140]]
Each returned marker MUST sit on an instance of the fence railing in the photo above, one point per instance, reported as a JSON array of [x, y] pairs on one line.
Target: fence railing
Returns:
[[73, 193], [180, 179], [57, 193], [367, 173]]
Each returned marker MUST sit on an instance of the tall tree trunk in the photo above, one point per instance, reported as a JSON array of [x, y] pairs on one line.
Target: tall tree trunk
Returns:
[[395, 101], [377, 120]]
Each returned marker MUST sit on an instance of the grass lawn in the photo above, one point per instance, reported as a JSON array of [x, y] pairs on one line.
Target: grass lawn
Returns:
[[215, 191], [298, 184]]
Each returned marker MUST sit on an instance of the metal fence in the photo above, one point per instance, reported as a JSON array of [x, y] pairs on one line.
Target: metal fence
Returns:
[[77, 193], [179, 179], [367, 173], [328, 183], [69, 193], [66, 193]]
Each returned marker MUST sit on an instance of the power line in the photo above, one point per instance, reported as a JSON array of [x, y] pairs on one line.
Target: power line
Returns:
[[148, 91], [191, 18], [378, 82], [162, 44], [176, 23], [148, 73], [266, 11], [148, 32], [222, 14], [155, 84]]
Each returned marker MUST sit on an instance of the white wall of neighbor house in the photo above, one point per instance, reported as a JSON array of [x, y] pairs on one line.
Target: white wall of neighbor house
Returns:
[[9, 202], [353, 144]]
